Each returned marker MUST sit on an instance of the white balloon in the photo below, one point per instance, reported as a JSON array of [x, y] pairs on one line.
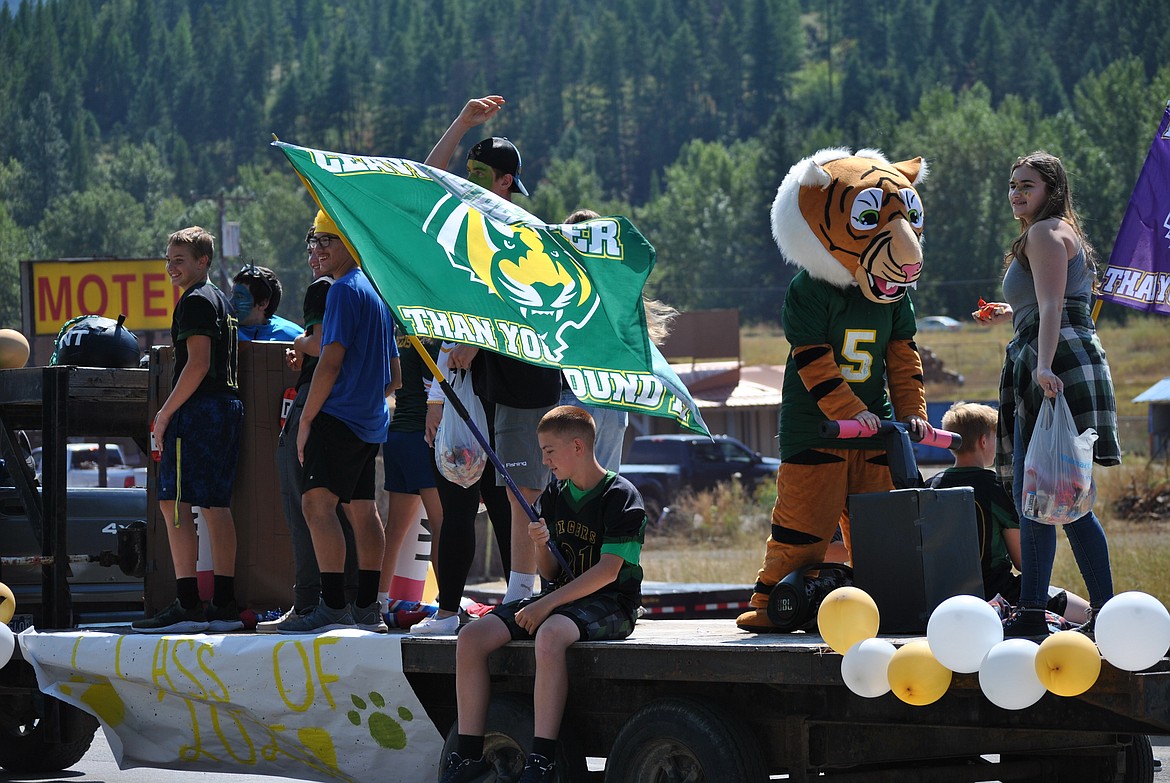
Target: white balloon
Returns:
[[7, 644], [1133, 631], [961, 631], [1007, 675], [864, 667]]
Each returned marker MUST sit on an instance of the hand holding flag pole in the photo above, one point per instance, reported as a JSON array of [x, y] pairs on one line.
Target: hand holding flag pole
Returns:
[[453, 399]]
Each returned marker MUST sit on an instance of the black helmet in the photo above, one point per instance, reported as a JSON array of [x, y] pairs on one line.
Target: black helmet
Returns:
[[94, 341]]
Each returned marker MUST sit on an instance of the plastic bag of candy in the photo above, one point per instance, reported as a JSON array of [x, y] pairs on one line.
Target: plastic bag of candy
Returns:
[[458, 454], [1058, 468]]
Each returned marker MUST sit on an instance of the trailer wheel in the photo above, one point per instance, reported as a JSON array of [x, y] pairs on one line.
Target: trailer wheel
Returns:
[[1139, 760], [508, 737], [25, 749], [674, 740]]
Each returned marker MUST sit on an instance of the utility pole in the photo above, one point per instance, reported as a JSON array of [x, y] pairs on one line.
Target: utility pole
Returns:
[[221, 200]]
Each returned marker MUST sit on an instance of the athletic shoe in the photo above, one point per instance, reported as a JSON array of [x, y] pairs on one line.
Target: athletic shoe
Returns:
[[1058, 604], [270, 626], [223, 619], [405, 618], [538, 769], [319, 619], [368, 618], [1089, 626], [1027, 624], [435, 625], [461, 770], [174, 619]]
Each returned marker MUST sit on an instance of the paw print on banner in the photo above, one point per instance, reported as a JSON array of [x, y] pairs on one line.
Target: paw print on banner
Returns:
[[99, 698], [385, 730]]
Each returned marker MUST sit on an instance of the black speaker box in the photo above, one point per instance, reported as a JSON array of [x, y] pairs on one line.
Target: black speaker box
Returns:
[[912, 550]]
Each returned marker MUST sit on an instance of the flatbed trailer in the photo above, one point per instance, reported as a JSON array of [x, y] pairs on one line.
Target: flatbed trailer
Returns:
[[694, 700]]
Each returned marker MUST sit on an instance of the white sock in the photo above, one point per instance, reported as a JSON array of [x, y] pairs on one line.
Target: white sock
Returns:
[[383, 602], [520, 585]]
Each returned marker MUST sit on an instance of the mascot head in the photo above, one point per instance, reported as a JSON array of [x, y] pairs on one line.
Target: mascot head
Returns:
[[853, 219]]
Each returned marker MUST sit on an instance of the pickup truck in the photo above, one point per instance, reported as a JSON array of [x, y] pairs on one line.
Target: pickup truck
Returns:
[[84, 466], [100, 520], [663, 466]]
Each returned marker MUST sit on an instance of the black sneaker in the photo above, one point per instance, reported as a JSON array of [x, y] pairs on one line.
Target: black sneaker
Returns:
[[1058, 604], [223, 619], [1027, 624], [538, 769], [174, 619], [461, 770], [1089, 626]]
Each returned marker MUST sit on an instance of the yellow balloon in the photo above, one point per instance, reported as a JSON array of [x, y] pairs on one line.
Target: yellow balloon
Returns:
[[916, 677], [847, 616], [7, 603], [1068, 663]]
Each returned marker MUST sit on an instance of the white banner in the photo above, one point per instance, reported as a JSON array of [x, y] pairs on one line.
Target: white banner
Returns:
[[333, 707]]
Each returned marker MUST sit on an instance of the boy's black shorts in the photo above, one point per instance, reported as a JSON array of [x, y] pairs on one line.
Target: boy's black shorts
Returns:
[[338, 460], [598, 617]]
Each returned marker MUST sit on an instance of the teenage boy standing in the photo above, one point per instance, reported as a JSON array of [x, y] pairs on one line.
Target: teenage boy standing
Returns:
[[198, 428], [522, 393], [342, 425]]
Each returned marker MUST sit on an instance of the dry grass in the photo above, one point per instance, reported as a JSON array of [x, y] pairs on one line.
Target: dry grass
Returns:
[[719, 536]]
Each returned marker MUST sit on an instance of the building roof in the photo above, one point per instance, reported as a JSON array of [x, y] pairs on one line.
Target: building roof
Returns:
[[1159, 392], [750, 387]]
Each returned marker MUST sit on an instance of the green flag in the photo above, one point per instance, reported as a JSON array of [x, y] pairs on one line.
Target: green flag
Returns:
[[457, 263]]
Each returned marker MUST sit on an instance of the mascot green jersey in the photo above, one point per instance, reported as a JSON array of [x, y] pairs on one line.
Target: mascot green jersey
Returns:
[[852, 223]]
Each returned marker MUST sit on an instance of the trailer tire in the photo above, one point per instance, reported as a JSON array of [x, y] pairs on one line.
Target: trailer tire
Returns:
[[508, 737], [684, 739], [24, 748], [1139, 760]]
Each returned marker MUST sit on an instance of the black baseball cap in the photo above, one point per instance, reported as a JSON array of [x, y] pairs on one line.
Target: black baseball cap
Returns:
[[502, 155]]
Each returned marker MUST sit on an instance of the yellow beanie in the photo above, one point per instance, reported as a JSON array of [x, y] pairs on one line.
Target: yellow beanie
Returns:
[[323, 224]]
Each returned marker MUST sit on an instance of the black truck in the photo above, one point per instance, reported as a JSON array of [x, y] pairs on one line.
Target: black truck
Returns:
[[664, 466]]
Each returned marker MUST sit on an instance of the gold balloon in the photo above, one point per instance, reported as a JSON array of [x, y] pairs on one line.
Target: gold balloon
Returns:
[[7, 603], [847, 616], [916, 677], [13, 349], [1068, 663]]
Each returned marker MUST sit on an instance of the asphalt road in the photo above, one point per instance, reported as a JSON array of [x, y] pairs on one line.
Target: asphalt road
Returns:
[[98, 766]]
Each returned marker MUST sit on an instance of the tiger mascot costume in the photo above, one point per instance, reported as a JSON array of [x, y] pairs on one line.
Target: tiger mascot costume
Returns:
[[852, 223]]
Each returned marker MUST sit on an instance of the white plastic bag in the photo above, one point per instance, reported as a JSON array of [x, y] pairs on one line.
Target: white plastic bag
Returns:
[[1058, 469], [458, 455]]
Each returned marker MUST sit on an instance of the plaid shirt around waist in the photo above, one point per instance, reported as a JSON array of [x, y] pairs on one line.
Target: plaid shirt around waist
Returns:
[[1088, 387]]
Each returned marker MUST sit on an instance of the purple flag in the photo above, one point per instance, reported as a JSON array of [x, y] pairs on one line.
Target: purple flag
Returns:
[[1138, 274]]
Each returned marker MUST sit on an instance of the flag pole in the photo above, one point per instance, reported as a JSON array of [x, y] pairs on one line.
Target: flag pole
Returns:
[[453, 399]]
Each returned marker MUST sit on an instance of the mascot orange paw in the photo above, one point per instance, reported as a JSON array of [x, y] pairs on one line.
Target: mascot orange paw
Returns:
[[756, 621]]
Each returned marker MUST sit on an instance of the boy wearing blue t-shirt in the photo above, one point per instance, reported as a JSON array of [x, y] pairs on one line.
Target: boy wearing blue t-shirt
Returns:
[[342, 425]]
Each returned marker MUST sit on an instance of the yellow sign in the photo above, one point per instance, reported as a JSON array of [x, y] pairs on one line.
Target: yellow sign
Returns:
[[138, 288]]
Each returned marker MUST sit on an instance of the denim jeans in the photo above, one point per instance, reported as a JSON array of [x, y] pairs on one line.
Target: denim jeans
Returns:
[[1038, 548]]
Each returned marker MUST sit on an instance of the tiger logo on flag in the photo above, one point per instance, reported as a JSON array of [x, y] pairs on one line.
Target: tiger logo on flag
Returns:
[[525, 267]]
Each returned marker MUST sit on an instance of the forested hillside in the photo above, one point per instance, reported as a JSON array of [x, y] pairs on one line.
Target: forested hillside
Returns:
[[126, 119]]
